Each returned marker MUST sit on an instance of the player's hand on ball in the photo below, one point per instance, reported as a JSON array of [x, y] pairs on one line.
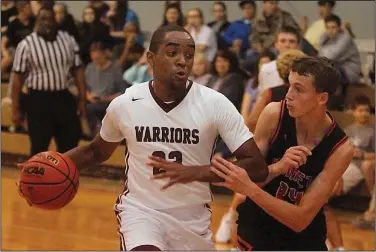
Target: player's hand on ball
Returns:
[[176, 172], [294, 157], [235, 178]]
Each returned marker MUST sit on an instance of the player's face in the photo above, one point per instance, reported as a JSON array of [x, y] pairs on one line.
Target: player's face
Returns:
[[362, 114], [286, 41], [173, 62], [302, 96]]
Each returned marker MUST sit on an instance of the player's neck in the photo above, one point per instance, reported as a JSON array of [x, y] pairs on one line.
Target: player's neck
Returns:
[[313, 124], [163, 92]]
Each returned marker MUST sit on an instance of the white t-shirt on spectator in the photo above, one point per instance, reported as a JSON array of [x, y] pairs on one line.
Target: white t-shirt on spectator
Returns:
[[206, 37], [269, 76]]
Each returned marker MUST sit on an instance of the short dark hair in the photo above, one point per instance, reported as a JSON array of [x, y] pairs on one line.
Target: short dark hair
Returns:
[[324, 2], [333, 18], [46, 8], [361, 100], [326, 77], [221, 4], [21, 4], [159, 35], [291, 30], [232, 59], [244, 2]]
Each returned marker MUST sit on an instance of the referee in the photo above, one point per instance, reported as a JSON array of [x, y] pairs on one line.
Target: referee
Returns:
[[44, 61]]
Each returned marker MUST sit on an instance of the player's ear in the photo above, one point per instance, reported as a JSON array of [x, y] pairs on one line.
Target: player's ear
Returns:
[[150, 58], [323, 98]]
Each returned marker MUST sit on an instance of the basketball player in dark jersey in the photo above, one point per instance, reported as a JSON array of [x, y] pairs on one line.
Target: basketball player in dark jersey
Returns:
[[307, 153]]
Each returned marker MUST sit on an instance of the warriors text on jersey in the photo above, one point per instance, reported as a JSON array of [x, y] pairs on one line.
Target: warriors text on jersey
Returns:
[[184, 131]]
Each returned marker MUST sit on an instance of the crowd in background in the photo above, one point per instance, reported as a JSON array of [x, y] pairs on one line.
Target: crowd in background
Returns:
[[237, 58]]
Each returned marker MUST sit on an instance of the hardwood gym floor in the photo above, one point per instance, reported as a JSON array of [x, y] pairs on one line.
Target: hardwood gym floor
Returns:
[[89, 223]]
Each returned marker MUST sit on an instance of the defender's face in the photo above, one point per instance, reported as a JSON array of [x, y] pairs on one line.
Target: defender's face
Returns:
[[302, 96], [173, 62]]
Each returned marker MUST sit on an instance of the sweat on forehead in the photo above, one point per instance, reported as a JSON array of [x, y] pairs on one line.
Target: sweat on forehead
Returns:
[[172, 33]]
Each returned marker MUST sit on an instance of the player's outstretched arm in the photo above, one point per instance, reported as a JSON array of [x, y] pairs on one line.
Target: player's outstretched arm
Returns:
[[295, 216], [96, 152]]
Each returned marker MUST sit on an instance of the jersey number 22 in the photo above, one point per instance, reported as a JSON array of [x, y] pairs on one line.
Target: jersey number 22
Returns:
[[176, 155]]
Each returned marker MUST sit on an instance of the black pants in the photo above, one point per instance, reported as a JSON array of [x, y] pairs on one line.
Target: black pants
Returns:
[[52, 114]]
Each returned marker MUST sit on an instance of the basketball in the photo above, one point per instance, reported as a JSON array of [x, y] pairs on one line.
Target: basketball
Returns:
[[49, 180]]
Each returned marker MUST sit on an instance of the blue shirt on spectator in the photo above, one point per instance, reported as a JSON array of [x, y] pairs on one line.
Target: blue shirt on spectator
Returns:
[[239, 29]]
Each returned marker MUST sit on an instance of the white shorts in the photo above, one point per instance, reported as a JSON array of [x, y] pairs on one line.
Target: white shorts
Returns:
[[185, 228], [351, 177]]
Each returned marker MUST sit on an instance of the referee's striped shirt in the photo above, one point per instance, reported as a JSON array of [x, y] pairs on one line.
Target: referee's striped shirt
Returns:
[[47, 64]]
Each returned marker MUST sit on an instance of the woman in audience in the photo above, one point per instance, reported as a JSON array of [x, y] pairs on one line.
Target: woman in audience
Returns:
[[92, 30], [140, 72], [201, 69], [227, 77], [65, 21], [251, 92], [118, 16], [220, 24], [276, 94], [101, 9], [173, 15], [204, 37]]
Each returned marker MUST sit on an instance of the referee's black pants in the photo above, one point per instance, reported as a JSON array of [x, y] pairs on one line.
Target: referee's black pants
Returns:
[[52, 114]]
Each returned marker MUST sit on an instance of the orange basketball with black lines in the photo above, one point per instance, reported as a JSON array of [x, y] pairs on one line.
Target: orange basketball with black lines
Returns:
[[49, 180]]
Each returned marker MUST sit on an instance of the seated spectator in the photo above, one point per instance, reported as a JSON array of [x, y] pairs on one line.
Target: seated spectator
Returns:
[[227, 77], [317, 29], [18, 28], [65, 20], [36, 5], [8, 10], [287, 38], [139, 72], [252, 90], [238, 33], [220, 24], [104, 83], [201, 69], [204, 37], [361, 134], [278, 93], [118, 16], [338, 46], [92, 30], [101, 9], [173, 15], [271, 21]]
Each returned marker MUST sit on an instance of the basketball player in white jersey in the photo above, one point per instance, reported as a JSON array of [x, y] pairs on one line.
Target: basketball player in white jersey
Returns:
[[176, 120]]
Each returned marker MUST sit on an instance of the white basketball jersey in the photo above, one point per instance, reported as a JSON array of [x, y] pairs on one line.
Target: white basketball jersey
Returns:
[[185, 132]]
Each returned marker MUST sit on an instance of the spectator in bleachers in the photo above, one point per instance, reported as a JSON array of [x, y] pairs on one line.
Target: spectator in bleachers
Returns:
[[203, 35], [92, 30], [140, 72], [118, 16], [201, 69], [286, 38], [104, 83], [252, 90], [338, 46], [173, 15], [362, 135], [317, 29], [277, 93], [265, 28], [18, 28], [238, 33], [65, 20], [220, 24], [36, 5], [227, 77], [8, 10], [101, 9]]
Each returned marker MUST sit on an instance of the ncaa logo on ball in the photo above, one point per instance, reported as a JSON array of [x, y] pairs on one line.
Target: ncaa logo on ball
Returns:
[[38, 171]]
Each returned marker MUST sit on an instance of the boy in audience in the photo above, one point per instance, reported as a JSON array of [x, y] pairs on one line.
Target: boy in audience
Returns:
[[361, 134]]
